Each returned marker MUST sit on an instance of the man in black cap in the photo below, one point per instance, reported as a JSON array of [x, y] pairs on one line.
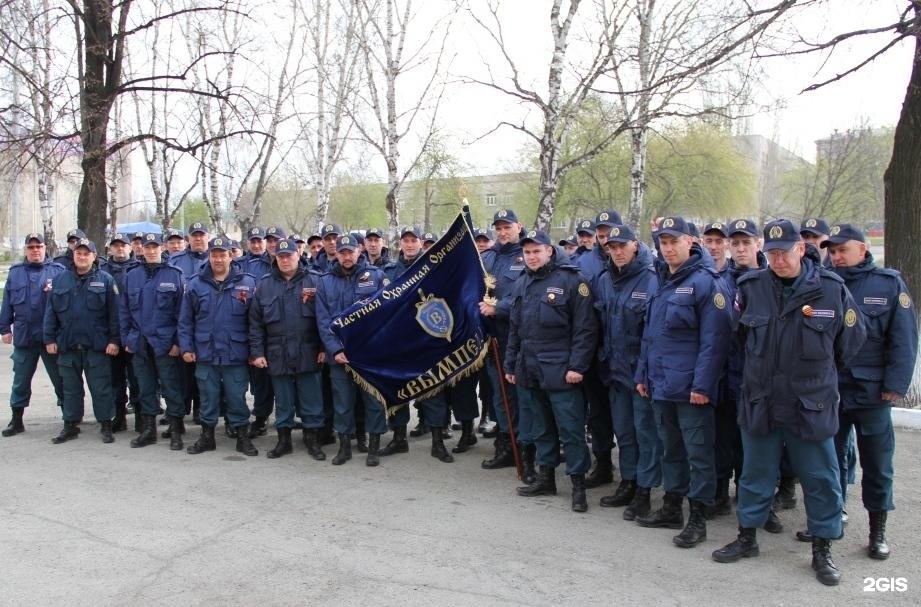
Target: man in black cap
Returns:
[[196, 255], [314, 246], [274, 235], [124, 383], [21, 316], [814, 231], [716, 242], [877, 377], [175, 241], [81, 328], [378, 254], [213, 333], [327, 257], [428, 239], [285, 342], [505, 263], [349, 280], [569, 245], [551, 343], [66, 258], [483, 238], [149, 317], [799, 324]]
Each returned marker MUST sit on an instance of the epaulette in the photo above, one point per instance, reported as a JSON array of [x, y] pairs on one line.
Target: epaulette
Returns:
[[569, 267], [887, 272], [748, 276]]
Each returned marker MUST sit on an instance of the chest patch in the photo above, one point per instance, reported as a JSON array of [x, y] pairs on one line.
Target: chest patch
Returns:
[[638, 295], [556, 290], [685, 290], [875, 301]]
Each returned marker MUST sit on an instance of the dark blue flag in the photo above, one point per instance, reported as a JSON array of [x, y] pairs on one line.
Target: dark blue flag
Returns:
[[423, 331]]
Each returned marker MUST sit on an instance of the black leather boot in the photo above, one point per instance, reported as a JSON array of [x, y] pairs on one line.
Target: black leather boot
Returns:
[[258, 428], [785, 498], [878, 548], [244, 443], [15, 426], [148, 435], [622, 496], [825, 569], [120, 422], [503, 458], [602, 473], [312, 442], [397, 444], [361, 442], [773, 524], [283, 446], [168, 433], [696, 530], [579, 503], [528, 472], [421, 429], [345, 450], [438, 447], [467, 438], [204, 443], [105, 429], [68, 432], [544, 485], [176, 430], [374, 446], [640, 506], [744, 546], [670, 515], [721, 504]]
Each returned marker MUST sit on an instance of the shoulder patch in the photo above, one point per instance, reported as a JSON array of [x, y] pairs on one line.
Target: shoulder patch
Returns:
[[904, 299], [850, 317], [583, 289], [719, 300]]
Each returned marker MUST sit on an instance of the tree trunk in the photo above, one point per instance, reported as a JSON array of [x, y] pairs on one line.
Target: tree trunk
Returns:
[[46, 201], [637, 177], [902, 182]]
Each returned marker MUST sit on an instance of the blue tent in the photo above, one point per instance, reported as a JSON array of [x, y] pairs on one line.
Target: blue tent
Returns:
[[140, 226]]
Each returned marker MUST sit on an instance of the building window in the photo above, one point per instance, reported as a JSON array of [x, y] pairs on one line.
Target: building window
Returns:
[[490, 200]]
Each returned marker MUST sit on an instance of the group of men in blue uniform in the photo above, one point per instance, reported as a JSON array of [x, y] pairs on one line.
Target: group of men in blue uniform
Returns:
[[713, 355]]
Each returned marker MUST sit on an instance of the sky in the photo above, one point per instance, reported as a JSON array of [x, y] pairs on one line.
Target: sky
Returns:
[[873, 94]]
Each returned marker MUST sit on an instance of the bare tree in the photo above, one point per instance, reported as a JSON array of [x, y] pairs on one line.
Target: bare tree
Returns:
[[646, 70], [385, 58], [334, 32]]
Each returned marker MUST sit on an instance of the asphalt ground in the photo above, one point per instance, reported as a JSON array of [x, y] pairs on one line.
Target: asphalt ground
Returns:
[[92, 524]]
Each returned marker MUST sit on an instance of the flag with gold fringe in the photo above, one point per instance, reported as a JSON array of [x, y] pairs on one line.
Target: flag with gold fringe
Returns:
[[423, 331]]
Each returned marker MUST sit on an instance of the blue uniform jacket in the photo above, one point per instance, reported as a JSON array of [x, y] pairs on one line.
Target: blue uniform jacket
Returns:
[[190, 263], [793, 349], [214, 317], [24, 298], [620, 298], [283, 322], [82, 311], [396, 267], [735, 362], [257, 266], [887, 359], [686, 333], [336, 291], [592, 263], [149, 308], [118, 269], [553, 328], [505, 263]]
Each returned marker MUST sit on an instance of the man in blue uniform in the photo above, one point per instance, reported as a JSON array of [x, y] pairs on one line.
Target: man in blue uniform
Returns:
[[325, 258], [258, 263], [350, 280], [124, 383], [285, 341], [214, 334], [21, 318], [551, 342], [81, 327], [378, 255], [149, 315], [66, 258], [174, 241], [621, 294], [685, 342], [505, 263], [799, 324], [878, 376]]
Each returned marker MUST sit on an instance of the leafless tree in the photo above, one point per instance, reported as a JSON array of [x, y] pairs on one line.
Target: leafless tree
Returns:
[[393, 114]]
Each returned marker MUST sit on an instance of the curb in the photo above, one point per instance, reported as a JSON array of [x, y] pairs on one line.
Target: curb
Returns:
[[909, 419]]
